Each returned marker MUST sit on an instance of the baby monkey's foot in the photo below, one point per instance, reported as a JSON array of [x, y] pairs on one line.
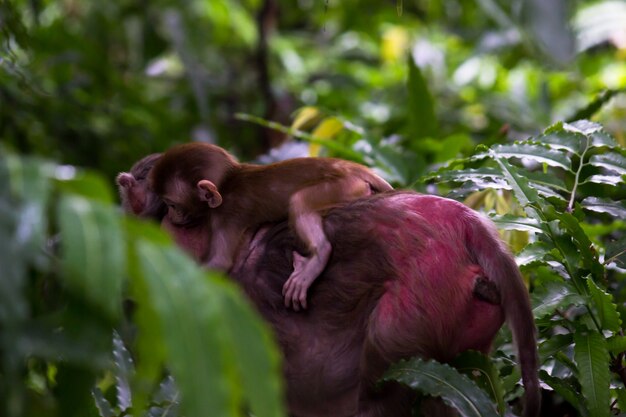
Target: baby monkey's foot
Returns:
[[305, 270]]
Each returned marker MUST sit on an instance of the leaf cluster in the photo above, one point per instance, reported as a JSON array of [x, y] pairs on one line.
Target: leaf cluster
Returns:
[[76, 271]]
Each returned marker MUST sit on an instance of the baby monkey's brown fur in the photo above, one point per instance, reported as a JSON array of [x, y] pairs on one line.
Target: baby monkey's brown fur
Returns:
[[198, 180]]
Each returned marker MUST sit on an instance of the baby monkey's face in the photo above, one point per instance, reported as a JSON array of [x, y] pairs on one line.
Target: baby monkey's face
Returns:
[[183, 205]]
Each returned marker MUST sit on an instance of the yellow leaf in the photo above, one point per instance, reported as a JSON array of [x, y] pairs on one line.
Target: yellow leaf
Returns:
[[502, 206], [328, 129], [306, 117], [490, 199], [475, 200], [394, 44], [516, 239]]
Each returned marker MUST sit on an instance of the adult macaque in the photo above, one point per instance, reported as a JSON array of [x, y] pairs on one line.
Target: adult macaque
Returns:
[[197, 178], [404, 279], [135, 194]]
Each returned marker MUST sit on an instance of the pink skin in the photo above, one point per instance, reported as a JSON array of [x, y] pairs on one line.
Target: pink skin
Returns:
[[399, 284], [135, 195], [192, 240]]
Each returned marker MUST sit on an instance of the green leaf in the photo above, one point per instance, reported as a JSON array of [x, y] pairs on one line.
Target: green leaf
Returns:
[[124, 369], [534, 152], [523, 192], [71, 337], [103, 405], [601, 205], [149, 345], [552, 296], [92, 251], [197, 314], [441, 380], [188, 311], [567, 254], [511, 222], [604, 179], [612, 161], [607, 310], [584, 127], [599, 137], [451, 173], [592, 108], [534, 252], [167, 400], [616, 252], [586, 251], [422, 117], [592, 358], [452, 146], [484, 177], [602, 230], [25, 189], [565, 390], [558, 138], [554, 344], [84, 183], [602, 139], [258, 360], [620, 394], [479, 368], [26, 178], [616, 344], [546, 179], [402, 166], [493, 9], [167, 391]]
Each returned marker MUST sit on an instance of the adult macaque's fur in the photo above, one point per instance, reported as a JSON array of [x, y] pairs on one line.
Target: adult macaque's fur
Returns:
[[400, 282]]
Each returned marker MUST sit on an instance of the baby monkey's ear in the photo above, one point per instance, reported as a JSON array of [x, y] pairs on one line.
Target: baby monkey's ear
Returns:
[[207, 191]]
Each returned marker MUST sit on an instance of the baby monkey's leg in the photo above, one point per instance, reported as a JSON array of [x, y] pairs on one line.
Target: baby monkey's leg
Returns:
[[306, 221]]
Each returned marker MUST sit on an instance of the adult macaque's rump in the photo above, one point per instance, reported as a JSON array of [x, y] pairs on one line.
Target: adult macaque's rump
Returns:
[[409, 275], [198, 180]]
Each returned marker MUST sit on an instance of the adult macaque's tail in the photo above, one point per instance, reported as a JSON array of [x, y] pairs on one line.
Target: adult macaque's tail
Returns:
[[499, 265]]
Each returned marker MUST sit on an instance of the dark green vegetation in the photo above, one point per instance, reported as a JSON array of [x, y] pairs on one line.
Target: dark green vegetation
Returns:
[[484, 107]]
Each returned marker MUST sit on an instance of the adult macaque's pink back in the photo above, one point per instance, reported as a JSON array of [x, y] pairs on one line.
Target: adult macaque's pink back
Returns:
[[401, 282]]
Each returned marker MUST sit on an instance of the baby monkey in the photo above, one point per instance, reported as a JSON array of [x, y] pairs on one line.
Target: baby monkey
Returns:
[[198, 180]]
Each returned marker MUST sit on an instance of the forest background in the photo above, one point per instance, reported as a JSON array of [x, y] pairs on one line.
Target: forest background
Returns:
[[515, 107]]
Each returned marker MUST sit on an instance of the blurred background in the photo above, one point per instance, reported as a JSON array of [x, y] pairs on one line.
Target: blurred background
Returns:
[[101, 83]]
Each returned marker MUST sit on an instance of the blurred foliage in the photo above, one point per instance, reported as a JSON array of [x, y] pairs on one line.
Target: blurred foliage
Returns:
[[69, 260], [407, 87], [97, 83]]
